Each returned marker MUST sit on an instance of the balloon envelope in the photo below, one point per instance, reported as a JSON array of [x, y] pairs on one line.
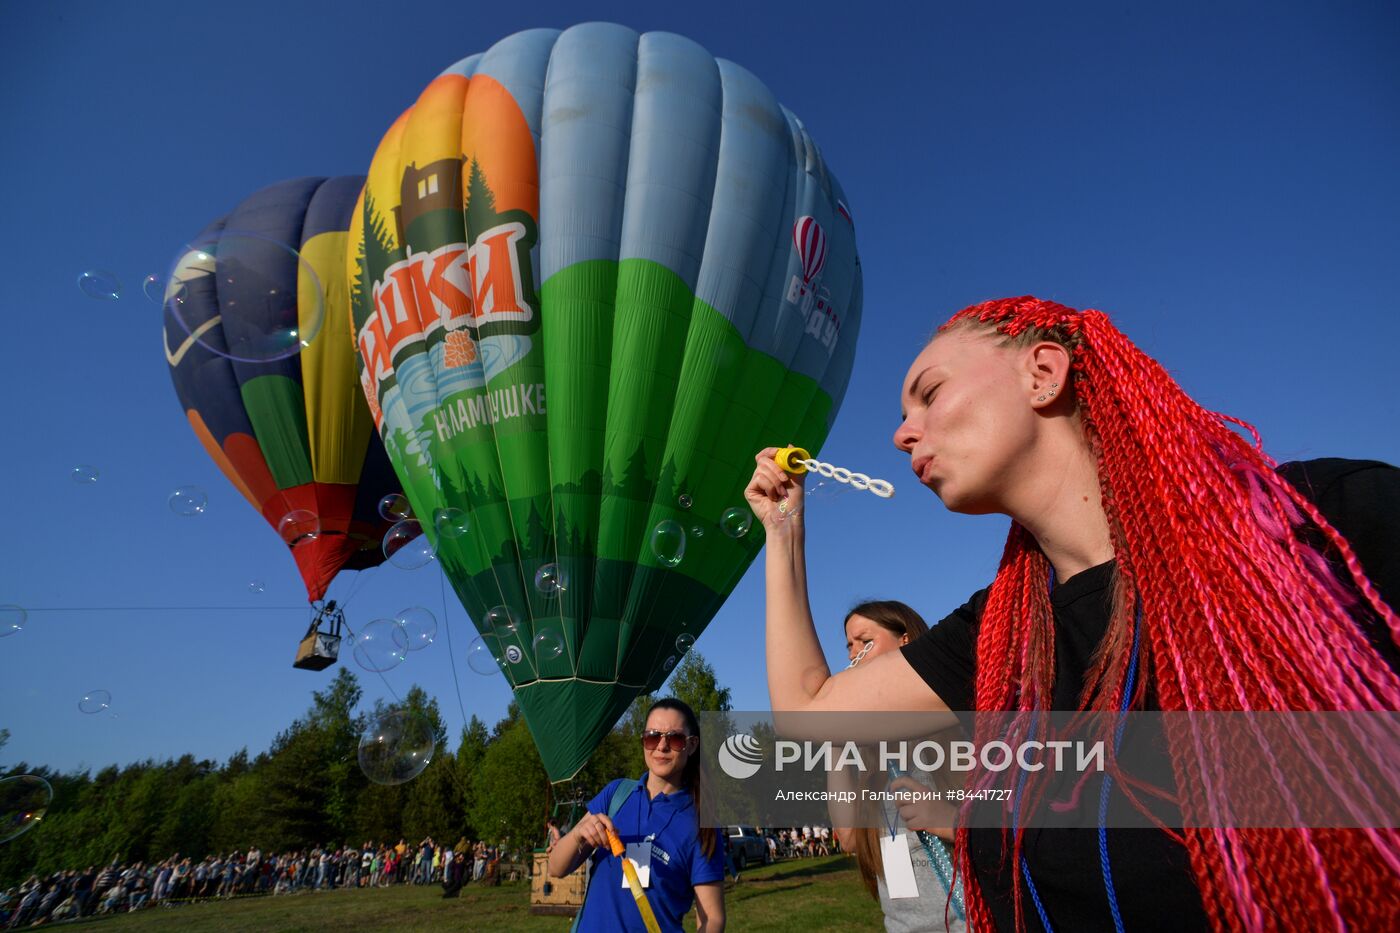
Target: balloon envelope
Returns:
[[594, 272], [257, 336]]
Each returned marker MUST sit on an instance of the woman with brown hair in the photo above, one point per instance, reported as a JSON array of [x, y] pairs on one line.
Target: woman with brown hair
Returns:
[[654, 816], [873, 628]]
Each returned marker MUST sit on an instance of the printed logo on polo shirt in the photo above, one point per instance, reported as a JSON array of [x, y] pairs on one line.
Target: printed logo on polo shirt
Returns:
[[741, 756]]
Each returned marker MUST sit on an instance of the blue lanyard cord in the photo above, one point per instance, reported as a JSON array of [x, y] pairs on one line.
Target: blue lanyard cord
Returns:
[[1015, 821], [1108, 779], [943, 868], [1104, 789]]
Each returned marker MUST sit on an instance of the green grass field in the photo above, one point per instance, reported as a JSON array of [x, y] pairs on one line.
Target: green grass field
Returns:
[[808, 894]]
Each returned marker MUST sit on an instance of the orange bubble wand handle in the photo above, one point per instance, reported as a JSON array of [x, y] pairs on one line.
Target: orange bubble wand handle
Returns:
[[635, 883]]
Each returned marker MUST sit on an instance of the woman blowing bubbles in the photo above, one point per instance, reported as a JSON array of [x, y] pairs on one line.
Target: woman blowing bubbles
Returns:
[[1150, 545]]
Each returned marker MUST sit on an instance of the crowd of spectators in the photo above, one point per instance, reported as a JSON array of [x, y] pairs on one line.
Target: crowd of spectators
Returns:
[[118, 887], [803, 842]]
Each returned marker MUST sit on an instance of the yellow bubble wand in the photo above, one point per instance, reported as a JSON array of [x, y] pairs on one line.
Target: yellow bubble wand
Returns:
[[797, 461], [634, 883]]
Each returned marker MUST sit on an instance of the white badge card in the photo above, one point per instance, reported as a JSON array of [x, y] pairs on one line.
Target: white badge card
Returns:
[[639, 854], [899, 867]]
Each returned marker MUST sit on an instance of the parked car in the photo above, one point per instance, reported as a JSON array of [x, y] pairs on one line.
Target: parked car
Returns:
[[748, 846]]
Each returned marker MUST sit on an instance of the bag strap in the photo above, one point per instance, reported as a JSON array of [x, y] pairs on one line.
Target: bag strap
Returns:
[[620, 795], [621, 792]]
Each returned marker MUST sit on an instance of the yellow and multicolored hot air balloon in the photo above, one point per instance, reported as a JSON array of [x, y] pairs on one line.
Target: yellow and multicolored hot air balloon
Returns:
[[257, 335], [593, 272]]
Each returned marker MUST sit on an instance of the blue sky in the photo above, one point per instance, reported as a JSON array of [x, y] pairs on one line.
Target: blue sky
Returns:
[[1221, 181]]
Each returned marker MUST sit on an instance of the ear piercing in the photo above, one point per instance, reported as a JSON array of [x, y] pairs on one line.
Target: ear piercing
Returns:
[[1050, 394]]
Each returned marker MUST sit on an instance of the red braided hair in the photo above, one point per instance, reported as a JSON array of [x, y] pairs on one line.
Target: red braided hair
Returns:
[[1206, 536]]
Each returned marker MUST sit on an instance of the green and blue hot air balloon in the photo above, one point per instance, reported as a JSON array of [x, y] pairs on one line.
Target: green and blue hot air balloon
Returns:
[[593, 272]]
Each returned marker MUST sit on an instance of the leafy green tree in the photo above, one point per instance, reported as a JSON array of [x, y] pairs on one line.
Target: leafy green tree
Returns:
[[433, 804], [618, 755], [332, 713], [295, 792], [237, 814], [695, 683], [237, 764], [470, 752], [189, 820], [509, 788], [636, 719], [379, 813]]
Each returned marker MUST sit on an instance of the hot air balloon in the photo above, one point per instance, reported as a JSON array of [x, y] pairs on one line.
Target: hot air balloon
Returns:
[[592, 272], [256, 326]]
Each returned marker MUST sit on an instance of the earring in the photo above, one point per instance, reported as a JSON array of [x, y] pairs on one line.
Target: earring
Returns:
[[1040, 398]]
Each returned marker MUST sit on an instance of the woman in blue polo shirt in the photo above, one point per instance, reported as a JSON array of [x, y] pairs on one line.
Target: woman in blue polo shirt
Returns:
[[655, 817]]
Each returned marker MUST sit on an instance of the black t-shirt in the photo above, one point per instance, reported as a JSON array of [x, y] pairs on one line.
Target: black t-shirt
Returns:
[[1151, 872]]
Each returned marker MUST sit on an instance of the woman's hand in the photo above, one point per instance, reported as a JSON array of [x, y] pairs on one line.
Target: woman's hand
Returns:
[[774, 495], [592, 831], [931, 816]]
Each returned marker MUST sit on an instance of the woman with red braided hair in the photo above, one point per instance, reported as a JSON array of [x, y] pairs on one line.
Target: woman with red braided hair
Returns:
[[1147, 535]]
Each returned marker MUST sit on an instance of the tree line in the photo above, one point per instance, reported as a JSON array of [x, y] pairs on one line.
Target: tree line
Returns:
[[308, 790]]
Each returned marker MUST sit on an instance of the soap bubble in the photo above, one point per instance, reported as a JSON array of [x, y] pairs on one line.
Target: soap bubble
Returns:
[[668, 542], [549, 580], [669, 663], [502, 620], [685, 501], [549, 645], [825, 488], [406, 547], [12, 619], [684, 642], [23, 800], [419, 625], [380, 646], [95, 701], [395, 508], [514, 655], [396, 746], [481, 658], [242, 279], [736, 522], [256, 586], [84, 475], [104, 286], [188, 501], [451, 523], [176, 294], [154, 288], [299, 526], [696, 531]]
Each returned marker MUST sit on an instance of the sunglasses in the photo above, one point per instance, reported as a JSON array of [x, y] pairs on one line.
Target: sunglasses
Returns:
[[652, 738]]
